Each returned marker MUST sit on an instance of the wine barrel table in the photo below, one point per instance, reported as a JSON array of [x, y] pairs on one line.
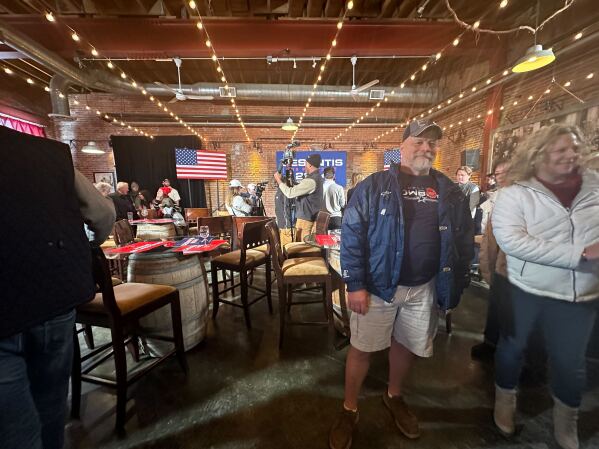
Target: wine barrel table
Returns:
[[186, 274]]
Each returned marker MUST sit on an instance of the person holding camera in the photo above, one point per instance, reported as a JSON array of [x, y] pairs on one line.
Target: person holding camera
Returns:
[[235, 203], [308, 194]]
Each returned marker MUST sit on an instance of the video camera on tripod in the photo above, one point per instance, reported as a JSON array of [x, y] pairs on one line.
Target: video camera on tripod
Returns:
[[287, 162]]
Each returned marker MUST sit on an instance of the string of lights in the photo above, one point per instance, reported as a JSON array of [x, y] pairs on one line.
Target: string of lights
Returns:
[[320, 71], [469, 91], [110, 118], [508, 106], [217, 65], [433, 60], [123, 75]]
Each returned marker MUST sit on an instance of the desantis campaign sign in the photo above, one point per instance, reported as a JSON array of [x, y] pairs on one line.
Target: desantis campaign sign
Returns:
[[336, 159]]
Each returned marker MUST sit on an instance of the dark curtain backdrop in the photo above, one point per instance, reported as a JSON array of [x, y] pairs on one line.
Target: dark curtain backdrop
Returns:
[[148, 162]]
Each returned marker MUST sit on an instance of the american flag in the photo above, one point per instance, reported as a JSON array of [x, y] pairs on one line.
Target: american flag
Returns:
[[391, 156], [195, 164]]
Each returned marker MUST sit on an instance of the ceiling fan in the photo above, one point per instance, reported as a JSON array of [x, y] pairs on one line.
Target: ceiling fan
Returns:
[[356, 90], [179, 95]]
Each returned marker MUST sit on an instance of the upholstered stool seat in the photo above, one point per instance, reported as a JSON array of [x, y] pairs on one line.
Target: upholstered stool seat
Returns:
[[305, 266], [129, 297], [233, 258], [299, 249]]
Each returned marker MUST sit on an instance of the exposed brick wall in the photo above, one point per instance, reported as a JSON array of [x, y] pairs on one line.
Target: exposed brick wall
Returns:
[[249, 165]]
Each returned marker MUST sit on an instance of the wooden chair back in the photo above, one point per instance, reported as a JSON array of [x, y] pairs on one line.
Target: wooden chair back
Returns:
[[103, 280], [123, 232], [152, 213], [322, 222], [276, 248], [238, 223], [219, 226], [193, 213], [253, 235]]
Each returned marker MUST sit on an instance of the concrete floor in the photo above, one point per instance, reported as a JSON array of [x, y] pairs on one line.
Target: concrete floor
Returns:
[[242, 392]]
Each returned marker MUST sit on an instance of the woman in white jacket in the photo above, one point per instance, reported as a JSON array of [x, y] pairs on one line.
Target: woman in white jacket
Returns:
[[547, 223]]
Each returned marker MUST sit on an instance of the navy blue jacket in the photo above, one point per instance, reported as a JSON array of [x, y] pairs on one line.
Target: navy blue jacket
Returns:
[[373, 231]]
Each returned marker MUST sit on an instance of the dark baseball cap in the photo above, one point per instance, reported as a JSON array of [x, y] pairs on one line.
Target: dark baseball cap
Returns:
[[417, 127], [314, 160]]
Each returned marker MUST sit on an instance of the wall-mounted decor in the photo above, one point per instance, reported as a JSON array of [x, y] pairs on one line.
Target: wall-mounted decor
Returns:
[[108, 177]]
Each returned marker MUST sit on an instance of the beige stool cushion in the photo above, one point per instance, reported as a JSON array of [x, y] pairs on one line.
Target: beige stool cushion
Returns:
[[305, 266], [129, 296], [263, 248], [299, 249], [233, 258]]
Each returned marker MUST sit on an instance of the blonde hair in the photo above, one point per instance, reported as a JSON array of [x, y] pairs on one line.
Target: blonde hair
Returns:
[[356, 178], [531, 151], [464, 168], [231, 193]]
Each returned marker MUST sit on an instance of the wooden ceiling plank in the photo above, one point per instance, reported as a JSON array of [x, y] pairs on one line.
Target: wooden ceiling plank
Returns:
[[407, 7], [388, 8], [333, 8], [315, 8], [296, 8]]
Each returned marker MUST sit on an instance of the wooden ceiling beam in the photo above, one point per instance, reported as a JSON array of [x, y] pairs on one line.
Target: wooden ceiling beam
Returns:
[[388, 8], [296, 8], [407, 7], [333, 8], [315, 8]]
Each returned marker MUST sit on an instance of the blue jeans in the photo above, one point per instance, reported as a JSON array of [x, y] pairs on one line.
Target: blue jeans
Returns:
[[498, 288], [566, 327], [35, 366]]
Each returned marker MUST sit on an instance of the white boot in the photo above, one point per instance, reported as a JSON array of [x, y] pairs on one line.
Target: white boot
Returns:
[[565, 425], [505, 410]]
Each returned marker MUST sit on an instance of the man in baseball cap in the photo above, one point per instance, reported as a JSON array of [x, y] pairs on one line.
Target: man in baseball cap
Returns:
[[407, 242], [308, 194], [418, 127]]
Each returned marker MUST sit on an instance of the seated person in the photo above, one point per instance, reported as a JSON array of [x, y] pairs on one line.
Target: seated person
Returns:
[[235, 203]]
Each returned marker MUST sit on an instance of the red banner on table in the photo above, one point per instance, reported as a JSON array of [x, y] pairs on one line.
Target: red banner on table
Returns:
[[138, 247], [193, 249], [327, 240]]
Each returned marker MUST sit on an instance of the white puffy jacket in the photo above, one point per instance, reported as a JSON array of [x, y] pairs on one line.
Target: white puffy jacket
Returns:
[[544, 240]]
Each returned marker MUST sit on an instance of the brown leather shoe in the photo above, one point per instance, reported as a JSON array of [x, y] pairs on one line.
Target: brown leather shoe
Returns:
[[341, 433], [404, 419]]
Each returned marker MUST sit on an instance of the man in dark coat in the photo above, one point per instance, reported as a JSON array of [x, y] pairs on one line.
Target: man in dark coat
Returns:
[[407, 240], [123, 204], [46, 273]]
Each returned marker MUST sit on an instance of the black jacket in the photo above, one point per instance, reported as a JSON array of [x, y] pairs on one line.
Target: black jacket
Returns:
[[45, 258], [122, 205]]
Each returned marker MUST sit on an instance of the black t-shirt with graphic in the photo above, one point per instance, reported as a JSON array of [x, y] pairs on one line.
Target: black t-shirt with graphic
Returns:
[[421, 229]]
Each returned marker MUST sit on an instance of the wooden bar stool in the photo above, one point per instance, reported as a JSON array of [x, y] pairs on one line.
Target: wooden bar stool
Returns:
[[301, 249], [241, 261], [297, 271], [120, 308]]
